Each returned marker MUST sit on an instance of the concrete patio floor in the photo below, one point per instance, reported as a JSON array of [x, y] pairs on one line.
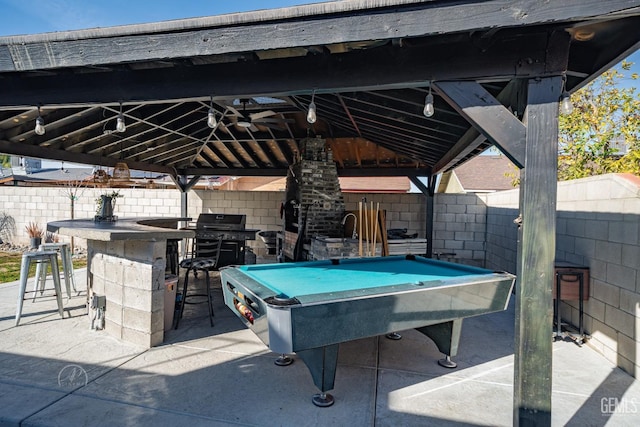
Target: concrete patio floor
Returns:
[[59, 372]]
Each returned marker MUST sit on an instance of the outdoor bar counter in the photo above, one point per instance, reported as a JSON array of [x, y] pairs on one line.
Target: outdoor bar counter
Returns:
[[126, 262]]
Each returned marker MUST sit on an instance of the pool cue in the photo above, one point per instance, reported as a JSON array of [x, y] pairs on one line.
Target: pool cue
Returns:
[[375, 232], [360, 228], [366, 227], [371, 229]]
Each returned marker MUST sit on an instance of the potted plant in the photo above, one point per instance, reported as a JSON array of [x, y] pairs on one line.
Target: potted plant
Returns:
[[105, 205], [35, 233]]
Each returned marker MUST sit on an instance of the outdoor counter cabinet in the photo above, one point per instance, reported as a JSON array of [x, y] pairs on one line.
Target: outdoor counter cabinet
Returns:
[[308, 308], [126, 262]]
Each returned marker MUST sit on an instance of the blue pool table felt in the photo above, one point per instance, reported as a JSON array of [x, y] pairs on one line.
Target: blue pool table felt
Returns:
[[309, 278]]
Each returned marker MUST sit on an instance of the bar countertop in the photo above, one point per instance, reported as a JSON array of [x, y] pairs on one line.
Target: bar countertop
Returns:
[[161, 228]]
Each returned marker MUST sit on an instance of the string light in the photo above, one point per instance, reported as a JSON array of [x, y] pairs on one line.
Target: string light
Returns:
[[428, 110], [566, 106], [211, 116], [39, 129], [311, 114], [120, 125]]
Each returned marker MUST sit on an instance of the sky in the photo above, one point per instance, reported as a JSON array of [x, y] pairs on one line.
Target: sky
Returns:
[[41, 16]]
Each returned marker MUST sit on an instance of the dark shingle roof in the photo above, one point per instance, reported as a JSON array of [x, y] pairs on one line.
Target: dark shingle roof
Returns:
[[486, 173]]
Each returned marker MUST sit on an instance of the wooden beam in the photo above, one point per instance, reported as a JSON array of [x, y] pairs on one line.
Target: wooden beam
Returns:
[[352, 172], [379, 171], [468, 143], [488, 115], [384, 67], [68, 156], [534, 318], [225, 36]]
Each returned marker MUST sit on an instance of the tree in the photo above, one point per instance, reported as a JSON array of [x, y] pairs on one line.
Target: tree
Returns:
[[72, 191], [605, 114]]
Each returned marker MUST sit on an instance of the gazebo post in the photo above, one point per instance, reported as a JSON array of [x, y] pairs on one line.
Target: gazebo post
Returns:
[[429, 192], [536, 254]]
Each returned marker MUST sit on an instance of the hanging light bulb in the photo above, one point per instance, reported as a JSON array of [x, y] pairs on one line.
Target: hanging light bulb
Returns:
[[311, 114], [211, 116], [428, 110], [39, 129], [566, 106], [120, 125]]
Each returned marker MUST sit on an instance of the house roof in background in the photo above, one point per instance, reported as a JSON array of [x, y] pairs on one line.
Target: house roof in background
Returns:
[[486, 173]]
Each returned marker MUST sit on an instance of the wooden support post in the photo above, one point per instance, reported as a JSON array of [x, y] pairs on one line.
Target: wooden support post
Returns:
[[429, 192], [537, 244], [430, 215]]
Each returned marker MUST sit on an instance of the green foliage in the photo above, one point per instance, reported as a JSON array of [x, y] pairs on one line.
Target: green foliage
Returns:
[[604, 112], [5, 161]]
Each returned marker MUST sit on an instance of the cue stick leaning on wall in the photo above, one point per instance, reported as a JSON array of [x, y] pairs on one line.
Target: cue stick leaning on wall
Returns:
[[360, 228]]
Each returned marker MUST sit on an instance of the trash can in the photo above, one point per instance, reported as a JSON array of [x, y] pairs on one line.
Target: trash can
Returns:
[[171, 285]]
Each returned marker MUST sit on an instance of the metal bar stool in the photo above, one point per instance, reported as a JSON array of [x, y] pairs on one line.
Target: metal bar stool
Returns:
[[64, 249], [41, 258], [204, 257]]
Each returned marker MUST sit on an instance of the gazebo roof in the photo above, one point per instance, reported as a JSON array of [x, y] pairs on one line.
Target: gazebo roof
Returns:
[[367, 65]]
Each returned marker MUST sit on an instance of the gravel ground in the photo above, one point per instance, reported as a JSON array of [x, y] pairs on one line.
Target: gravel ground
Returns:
[[11, 248]]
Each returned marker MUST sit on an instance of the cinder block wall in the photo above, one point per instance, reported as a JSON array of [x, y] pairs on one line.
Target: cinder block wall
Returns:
[[45, 204], [460, 226], [459, 219], [502, 232], [598, 225]]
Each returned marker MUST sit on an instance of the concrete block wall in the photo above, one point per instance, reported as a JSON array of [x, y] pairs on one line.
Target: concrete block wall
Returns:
[[599, 221], [452, 232], [598, 225], [134, 287], [402, 210], [460, 225], [45, 204], [502, 232]]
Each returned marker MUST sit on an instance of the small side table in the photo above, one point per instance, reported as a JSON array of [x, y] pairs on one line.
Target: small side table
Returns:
[[572, 283]]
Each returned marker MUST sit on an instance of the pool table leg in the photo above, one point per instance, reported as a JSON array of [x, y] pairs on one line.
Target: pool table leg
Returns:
[[283, 360], [322, 363], [447, 337]]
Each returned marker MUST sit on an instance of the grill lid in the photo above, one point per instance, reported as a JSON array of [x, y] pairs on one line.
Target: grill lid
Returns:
[[221, 221]]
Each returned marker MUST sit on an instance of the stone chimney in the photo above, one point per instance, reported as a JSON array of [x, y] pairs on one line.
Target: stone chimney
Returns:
[[314, 205]]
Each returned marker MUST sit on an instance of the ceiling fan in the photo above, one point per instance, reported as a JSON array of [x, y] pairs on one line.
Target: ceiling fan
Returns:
[[262, 118]]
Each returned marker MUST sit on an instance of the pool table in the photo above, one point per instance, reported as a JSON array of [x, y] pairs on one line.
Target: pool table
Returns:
[[308, 308]]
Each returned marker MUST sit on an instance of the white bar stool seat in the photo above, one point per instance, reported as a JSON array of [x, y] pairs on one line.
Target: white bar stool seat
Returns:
[[41, 258], [64, 249]]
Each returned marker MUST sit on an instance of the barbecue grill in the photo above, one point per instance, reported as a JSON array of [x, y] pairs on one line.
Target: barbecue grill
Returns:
[[234, 235]]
